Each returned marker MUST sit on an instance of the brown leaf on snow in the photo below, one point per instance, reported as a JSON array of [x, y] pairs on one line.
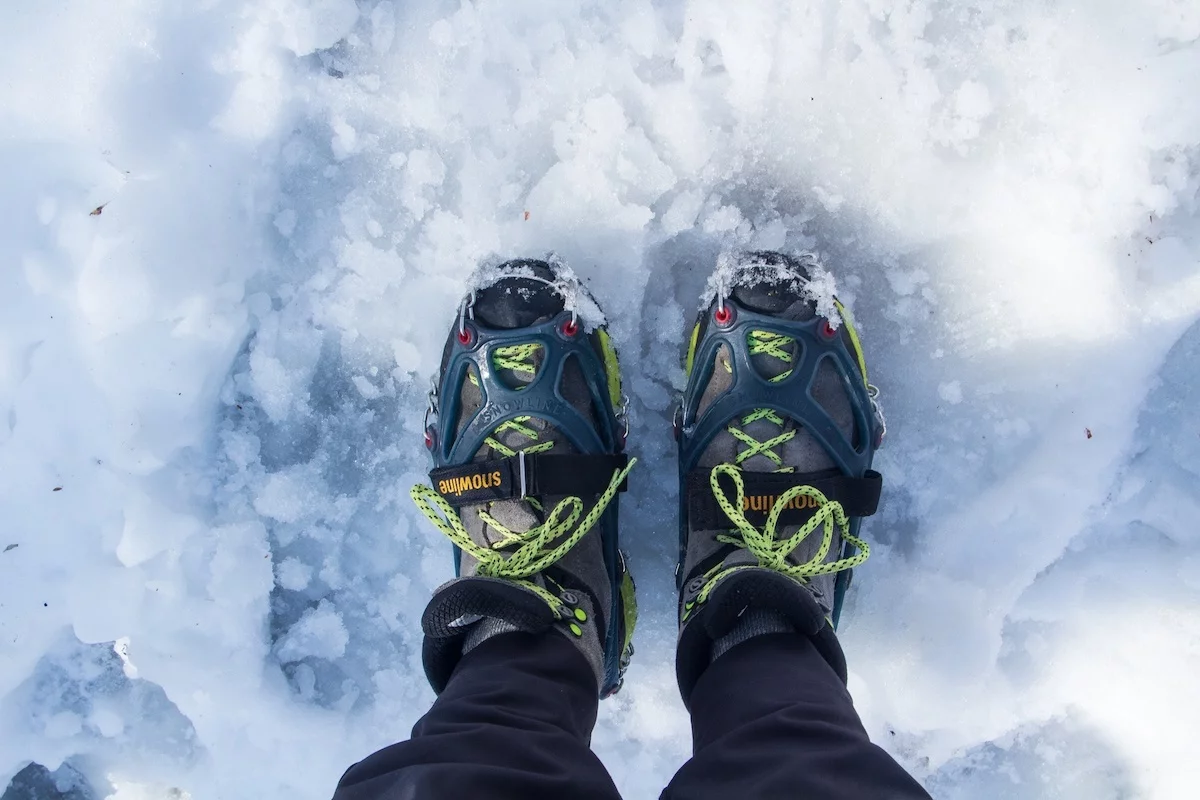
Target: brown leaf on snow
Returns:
[[526, 216], [1088, 431], [97, 210]]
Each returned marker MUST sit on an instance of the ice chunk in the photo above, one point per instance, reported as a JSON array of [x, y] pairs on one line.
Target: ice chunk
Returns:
[[310, 25], [320, 633]]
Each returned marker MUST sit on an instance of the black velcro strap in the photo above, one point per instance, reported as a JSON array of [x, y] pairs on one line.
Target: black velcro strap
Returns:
[[528, 476], [859, 497]]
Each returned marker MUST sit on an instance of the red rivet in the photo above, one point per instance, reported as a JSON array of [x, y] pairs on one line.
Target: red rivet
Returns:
[[827, 329], [430, 438], [723, 315], [465, 337], [570, 328]]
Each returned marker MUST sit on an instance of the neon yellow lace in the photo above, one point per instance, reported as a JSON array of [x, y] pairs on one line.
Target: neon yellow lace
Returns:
[[526, 553], [771, 551], [776, 345], [518, 425], [518, 358]]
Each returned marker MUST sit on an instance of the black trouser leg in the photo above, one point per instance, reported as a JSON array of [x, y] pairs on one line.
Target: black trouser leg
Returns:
[[770, 718], [515, 721]]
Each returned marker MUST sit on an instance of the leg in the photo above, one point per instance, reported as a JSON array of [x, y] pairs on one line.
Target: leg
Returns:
[[777, 429], [514, 721], [537, 625], [771, 718]]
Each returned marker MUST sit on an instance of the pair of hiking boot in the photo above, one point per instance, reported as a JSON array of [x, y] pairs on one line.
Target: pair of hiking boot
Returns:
[[527, 423]]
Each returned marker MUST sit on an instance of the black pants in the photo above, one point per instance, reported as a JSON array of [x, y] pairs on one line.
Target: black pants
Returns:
[[769, 719]]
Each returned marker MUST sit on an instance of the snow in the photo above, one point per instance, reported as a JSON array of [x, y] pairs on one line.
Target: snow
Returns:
[[739, 268], [211, 390], [319, 634]]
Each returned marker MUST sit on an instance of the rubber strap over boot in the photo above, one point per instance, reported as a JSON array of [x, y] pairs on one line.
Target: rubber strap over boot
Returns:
[[859, 497], [522, 475]]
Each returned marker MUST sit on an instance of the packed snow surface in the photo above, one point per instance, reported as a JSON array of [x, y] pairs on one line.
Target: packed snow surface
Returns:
[[234, 234]]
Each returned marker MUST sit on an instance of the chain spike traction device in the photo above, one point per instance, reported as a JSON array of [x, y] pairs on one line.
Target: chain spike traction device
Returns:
[[598, 432], [727, 323]]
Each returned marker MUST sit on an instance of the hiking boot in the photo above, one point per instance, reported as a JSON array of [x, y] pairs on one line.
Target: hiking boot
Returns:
[[526, 427], [777, 429]]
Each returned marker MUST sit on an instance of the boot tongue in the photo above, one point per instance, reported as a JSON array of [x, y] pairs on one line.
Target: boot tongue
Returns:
[[518, 515], [521, 515]]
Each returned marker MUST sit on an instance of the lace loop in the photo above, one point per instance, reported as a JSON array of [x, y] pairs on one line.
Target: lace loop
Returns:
[[772, 552], [536, 549]]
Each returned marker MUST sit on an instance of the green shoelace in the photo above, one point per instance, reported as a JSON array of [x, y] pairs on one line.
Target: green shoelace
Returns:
[[771, 551], [520, 555], [776, 345]]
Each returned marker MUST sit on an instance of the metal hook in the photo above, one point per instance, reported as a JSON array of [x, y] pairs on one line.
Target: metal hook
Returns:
[[467, 306], [873, 394]]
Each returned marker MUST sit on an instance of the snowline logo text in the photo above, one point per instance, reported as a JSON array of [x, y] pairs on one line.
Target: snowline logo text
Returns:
[[765, 502], [467, 483]]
